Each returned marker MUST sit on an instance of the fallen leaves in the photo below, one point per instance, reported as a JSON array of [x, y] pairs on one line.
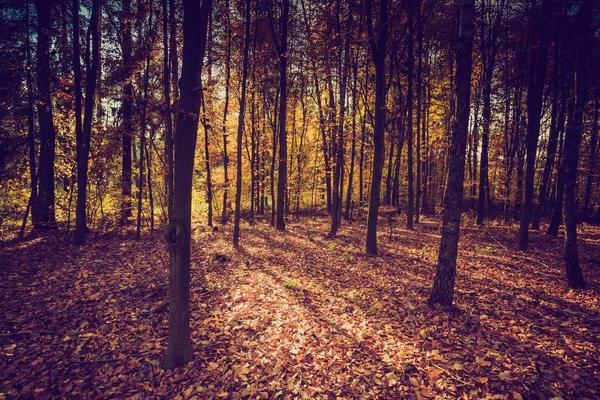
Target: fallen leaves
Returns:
[[293, 317]]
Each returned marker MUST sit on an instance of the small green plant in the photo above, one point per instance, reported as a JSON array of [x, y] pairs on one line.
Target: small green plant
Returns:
[[331, 247], [483, 250], [291, 285]]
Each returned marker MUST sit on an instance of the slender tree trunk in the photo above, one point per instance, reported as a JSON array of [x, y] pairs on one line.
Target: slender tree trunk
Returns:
[[83, 152], [178, 231], [168, 116], [378, 50], [347, 212], [143, 126], [282, 170], [126, 206], [225, 111], [419, 112], [240, 131], [443, 284], [409, 117], [45, 203], [535, 90]]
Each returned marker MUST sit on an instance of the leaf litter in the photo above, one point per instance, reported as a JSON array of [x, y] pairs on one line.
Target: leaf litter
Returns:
[[297, 315]]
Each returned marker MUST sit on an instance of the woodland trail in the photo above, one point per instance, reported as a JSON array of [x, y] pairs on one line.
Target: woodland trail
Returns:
[[297, 315]]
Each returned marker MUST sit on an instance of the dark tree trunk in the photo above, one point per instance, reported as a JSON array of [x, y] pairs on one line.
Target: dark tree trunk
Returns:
[[348, 210], [33, 179], [537, 67], [443, 284], [282, 170], [178, 231], [378, 50], [572, 143], [419, 112], [338, 188], [143, 126], [45, 201], [552, 139], [83, 146], [409, 117], [240, 131], [168, 116], [126, 206]]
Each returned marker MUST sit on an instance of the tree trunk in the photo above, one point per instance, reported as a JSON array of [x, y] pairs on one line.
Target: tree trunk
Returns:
[[537, 75], [443, 284], [178, 231], [240, 131], [572, 142], [282, 170], [168, 116], [83, 152], [225, 111], [409, 117], [143, 126], [45, 203], [126, 206], [378, 51]]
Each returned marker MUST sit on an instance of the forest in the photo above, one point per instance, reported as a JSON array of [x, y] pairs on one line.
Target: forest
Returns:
[[319, 199]]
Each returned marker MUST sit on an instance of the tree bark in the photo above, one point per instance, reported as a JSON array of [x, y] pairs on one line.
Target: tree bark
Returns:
[[535, 90], [409, 117], [591, 164], [225, 111], [573, 135], [178, 231], [126, 206], [168, 116], [45, 201], [443, 284], [378, 50], [282, 170], [83, 152], [240, 131]]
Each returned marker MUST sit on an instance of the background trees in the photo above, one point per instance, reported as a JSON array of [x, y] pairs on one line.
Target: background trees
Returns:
[[344, 107]]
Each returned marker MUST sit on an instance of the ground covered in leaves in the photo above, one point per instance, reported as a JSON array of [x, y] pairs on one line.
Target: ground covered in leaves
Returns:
[[297, 315]]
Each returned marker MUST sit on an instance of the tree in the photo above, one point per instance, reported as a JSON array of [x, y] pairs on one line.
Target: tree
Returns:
[[168, 119], [443, 285], [45, 201], [537, 74], [378, 51], [238, 184], [126, 48], [573, 134], [83, 145], [178, 231], [282, 170], [409, 117]]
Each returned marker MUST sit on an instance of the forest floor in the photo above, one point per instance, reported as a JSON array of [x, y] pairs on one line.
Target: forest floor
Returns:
[[297, 315]]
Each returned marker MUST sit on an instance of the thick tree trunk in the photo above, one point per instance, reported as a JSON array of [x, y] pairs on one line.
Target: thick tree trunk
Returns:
[[282, 170], [126, 204], [572, 143], [83, 152], [240, 131], [535, 90], [45, 201], [178, 231], [443, 285], [378, 50]]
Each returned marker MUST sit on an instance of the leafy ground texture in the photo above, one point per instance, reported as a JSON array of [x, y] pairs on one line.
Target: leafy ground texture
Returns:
[[296, 315]]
